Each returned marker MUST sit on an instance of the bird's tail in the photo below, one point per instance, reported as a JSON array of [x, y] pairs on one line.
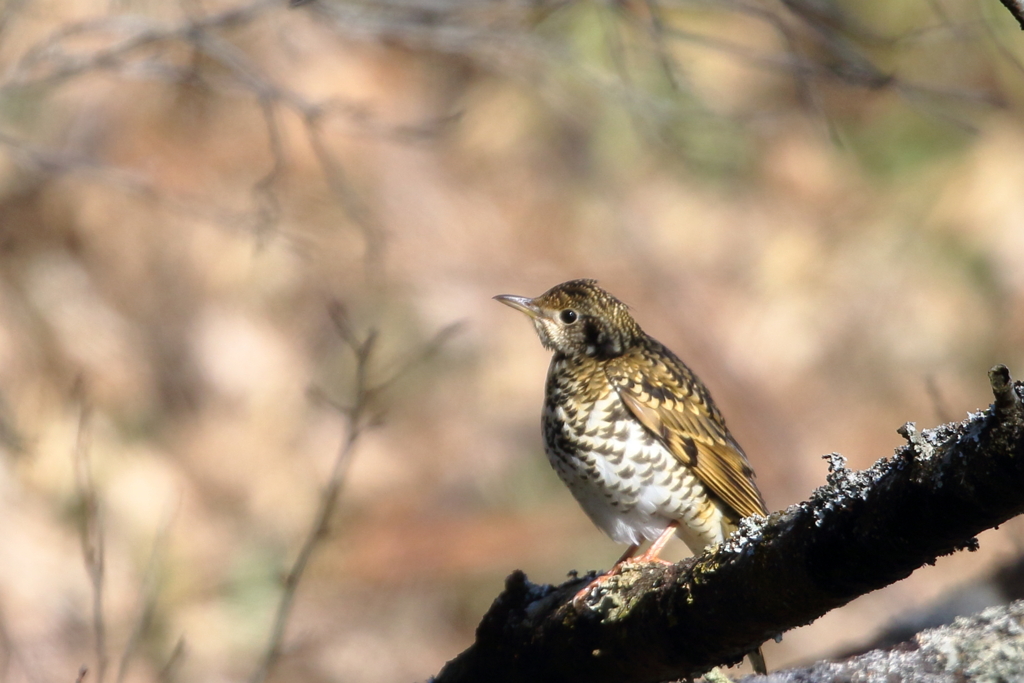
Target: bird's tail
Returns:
[[757, 661]]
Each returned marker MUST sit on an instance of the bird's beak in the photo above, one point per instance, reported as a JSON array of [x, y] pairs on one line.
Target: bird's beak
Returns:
[[520, 303]]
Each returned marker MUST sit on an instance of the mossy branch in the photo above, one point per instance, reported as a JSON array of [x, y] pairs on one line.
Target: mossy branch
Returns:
[[860, 532]]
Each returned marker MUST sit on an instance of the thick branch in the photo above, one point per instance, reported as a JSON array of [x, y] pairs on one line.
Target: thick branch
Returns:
[[985, 647], [860, 532], [1016, 8]]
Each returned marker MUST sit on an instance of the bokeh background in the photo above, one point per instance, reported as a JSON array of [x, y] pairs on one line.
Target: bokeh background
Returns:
[[819, 206]]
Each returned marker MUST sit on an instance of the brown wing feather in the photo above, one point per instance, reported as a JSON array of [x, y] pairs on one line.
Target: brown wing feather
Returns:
[[666, 397]]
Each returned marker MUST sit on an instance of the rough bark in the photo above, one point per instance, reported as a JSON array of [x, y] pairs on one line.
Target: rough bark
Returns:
[[860, 532], [985, 648]]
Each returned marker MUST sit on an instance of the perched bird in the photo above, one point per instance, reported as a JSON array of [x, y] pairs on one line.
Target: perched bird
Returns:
[[632, 431]]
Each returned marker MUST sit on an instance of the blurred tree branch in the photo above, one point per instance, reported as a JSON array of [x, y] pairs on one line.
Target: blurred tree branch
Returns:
[[141, 48], [91, 532], [147, 609], [861, 532], [362, 348], [821, 43], [359, 415], [92, 535]]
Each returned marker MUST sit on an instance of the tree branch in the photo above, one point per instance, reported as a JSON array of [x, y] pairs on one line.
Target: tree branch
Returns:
[[861, 532], [1016, 8], [91, 533], [359, 416], [987, 646]]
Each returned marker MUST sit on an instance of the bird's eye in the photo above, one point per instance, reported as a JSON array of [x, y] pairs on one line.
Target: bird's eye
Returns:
[[568, 316]]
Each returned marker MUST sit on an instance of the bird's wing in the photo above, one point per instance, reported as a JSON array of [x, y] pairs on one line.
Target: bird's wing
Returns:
[[666, 397]]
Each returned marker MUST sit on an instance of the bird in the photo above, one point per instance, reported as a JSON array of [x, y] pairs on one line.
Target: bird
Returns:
[[633, 432]]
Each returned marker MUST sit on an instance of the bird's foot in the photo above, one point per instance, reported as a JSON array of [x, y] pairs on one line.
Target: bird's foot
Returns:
[[649, 558], [580, 599]]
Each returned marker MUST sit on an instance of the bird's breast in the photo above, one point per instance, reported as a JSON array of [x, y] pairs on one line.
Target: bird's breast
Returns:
[[625, 479]]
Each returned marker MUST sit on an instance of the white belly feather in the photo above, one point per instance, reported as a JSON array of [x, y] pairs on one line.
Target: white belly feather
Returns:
[[630, 485]]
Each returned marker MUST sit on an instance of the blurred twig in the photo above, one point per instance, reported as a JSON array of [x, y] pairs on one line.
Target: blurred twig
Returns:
[[425, 352], [91, 536], [173, 662], [268, 205], [358, 417], [149, 594], [144, 48], [10, 437], [342, 191], [497, 38], [141, 33]]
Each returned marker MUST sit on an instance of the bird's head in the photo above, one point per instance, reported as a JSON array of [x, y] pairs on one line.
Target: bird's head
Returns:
[[579, 318]]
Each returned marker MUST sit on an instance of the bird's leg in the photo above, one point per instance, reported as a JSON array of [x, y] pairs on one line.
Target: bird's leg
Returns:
[[630, 551], [659, 544], [626, 556], [651, 555]]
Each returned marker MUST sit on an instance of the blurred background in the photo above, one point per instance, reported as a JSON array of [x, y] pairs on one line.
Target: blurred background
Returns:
[[818, 205]]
